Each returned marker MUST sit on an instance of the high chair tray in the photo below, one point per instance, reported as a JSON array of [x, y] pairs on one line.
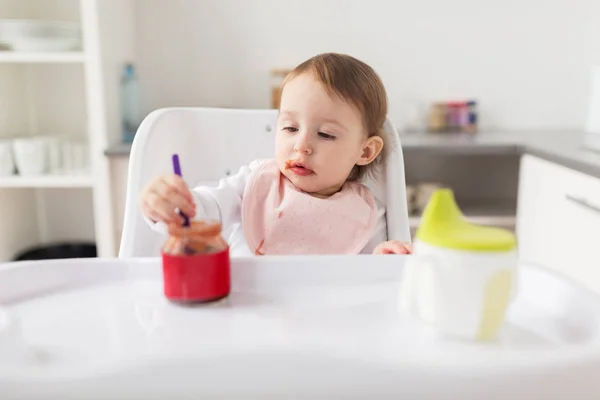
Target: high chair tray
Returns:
[[305, 327]]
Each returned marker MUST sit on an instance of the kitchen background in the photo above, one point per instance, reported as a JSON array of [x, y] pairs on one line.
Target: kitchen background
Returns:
[[527, 64]]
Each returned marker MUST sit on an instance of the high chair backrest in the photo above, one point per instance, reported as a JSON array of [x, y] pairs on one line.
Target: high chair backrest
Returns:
[[213, 143]]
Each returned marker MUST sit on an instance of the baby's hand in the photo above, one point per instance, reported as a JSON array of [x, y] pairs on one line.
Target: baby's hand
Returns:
[[393, 247], [163, 196]]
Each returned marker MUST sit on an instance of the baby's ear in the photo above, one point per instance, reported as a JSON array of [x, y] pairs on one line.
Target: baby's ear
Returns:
[[370, 150]]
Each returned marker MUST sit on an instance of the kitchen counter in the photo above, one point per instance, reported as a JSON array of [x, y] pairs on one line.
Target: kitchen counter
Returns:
[[118, 150], [561, 147]]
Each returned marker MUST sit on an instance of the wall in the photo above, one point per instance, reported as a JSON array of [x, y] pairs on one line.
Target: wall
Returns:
[[526, 61]]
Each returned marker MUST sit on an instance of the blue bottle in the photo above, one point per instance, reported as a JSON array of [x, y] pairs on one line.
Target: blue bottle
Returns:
[[129, 103]]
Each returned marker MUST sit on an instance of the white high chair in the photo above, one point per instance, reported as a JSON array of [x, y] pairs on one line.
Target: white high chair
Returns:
[[213, 143]]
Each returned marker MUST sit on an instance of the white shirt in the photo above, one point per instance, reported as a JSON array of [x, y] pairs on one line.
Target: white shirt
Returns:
[[224, 203]]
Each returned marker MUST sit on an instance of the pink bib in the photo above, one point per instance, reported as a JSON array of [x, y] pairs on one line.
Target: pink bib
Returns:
[[277, 218]]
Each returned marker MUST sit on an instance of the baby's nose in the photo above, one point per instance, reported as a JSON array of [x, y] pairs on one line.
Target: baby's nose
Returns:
[[303, 146]]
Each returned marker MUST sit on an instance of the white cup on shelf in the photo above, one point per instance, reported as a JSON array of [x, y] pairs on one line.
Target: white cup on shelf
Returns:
[[30, 155], [75, 159], [54, 155], [80, 157], [7, 163], [67, 161]]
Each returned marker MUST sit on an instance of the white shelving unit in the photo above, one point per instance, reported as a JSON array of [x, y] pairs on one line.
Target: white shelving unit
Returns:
[[41, 58], [69, 94], [48, 181]]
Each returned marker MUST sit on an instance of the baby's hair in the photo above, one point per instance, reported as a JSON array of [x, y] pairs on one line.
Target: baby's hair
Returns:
[[359, 85]]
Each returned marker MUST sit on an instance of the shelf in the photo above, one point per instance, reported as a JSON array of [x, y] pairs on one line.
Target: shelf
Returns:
[[118, 150], [23, 57], [47, 181]]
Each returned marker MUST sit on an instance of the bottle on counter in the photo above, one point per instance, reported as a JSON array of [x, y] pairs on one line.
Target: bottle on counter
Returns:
[[471, 125], [277, 77], [455, 120], [129, 103], [437, 117]]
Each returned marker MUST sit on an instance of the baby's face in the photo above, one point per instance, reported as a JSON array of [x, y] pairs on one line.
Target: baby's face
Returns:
[[319, 139]]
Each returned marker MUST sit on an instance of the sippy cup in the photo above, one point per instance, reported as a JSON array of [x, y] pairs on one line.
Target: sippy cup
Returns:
[[461, 276]]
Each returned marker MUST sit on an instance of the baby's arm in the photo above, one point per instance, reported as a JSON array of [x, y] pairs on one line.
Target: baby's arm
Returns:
[[380, 233], [379, 243], [221, 203], [224, 202]]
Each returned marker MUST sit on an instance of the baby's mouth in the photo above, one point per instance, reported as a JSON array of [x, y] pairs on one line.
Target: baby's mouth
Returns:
[[298, 168]]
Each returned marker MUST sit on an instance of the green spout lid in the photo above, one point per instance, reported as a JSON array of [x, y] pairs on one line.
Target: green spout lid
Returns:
[[444, 225]]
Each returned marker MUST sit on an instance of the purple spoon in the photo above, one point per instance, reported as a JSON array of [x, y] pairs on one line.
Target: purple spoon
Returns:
[[177, 171]]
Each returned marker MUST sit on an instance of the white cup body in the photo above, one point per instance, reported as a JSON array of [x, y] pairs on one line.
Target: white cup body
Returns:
[[54, 154], [7, 163], [80, 157], [30, 155], [460, 293]]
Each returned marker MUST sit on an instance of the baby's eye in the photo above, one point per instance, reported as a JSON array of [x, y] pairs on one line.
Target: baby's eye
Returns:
[[326, 136], [290, 129]]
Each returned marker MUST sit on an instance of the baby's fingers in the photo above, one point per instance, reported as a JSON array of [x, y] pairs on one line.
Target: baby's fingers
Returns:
[[174, 190], [393, 247], [174, 184], [160, 209]]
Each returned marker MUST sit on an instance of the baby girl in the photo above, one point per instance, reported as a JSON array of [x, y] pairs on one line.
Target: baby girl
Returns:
[[309, 199]]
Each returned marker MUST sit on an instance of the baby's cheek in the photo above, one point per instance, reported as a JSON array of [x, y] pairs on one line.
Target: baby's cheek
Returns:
[[281, 160], [280, 151]]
